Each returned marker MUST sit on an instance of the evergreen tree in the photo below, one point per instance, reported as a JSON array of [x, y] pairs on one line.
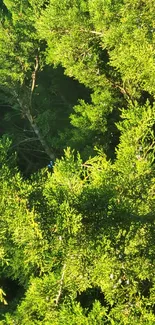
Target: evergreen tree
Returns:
[[77, 237]]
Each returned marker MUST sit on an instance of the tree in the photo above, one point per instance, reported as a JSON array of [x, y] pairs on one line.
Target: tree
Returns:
[[108, 46], [35, 99], [95, 225], [77, 238]]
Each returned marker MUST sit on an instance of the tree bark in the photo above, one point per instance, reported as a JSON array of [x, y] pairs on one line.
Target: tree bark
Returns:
[[26, 111], [38, 134]]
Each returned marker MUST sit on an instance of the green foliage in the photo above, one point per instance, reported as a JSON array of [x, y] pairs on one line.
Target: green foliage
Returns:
[[97, 232], [77, 237], [128, 33], [18, 42]]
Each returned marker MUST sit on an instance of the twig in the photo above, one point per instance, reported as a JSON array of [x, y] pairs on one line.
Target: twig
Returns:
[[91, 32], [34, 76], [61, 284], [88, 166], [99, 34], [25, 140]]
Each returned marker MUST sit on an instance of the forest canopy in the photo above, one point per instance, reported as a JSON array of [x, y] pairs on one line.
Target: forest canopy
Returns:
[[77, 173]]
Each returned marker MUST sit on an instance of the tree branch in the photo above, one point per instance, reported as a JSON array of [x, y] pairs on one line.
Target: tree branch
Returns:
[[38, 134], [26, 111], [99, 34], [36, 66], [61, 284]]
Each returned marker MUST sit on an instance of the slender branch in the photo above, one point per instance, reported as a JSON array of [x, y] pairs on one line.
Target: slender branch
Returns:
[[34, 74], [88, 166], [81, 30], [61, 284], [149, 148], [122, 90], [34, 77], [38, 134], [91, 32], [25, 109], [25, 140]]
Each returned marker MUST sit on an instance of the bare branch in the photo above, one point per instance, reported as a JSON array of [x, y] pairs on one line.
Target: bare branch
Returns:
[[91, 32], [34, 74], [38, 134], [99, 34], [36, 66], [61, 284], [25, 109], [25, 140]]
